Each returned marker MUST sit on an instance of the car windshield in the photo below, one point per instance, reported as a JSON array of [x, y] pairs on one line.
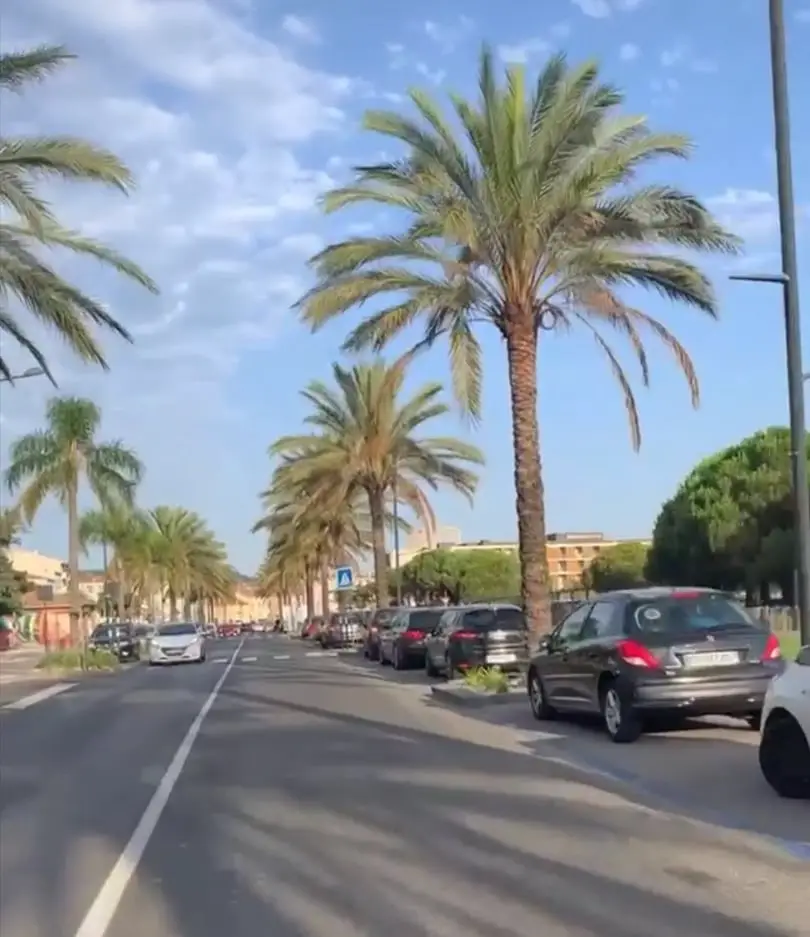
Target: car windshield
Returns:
[[508, 618], [168, 631], [681, 612], [425, 619]]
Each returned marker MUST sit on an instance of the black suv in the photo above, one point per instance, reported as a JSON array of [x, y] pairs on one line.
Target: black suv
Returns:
[[120, 639]]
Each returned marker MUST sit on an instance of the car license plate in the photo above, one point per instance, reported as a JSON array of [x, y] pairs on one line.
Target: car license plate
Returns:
[[501, 658], [713, 659]]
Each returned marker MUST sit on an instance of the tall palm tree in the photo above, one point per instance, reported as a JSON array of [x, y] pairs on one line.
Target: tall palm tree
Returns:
[[185, 555], [531, 219], [122, 528], [364, 437], [27, 281], [57, 459]]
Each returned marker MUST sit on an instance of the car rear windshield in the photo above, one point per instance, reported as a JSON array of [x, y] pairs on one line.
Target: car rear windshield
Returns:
[[168, 631], [103, 631], [485, 619], [682, 612], [384, 616], [425, 619]]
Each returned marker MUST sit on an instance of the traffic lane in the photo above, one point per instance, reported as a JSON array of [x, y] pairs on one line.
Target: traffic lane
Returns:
[[318, 801], [707, 766], [77, 773]]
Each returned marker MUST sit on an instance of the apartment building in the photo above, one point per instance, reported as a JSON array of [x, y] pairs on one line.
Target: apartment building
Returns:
[[39, 569]]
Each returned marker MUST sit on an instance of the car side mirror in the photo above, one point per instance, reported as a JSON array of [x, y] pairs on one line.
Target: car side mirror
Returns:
[[544, 643], [803, 657]]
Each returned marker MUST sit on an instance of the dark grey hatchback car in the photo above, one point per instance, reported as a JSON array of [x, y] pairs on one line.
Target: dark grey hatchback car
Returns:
[[654, 652]]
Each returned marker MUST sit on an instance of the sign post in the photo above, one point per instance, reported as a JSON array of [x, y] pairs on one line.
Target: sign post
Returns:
[[344, 577]]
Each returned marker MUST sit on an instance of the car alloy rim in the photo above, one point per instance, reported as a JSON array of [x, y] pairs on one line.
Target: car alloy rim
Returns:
[[613, 711], [536, 694]]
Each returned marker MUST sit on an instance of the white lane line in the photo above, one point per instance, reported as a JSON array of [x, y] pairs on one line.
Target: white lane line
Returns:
[[33, 698], [249, 660], [282, 657], [97, 920], [220, 660], [321, 654]]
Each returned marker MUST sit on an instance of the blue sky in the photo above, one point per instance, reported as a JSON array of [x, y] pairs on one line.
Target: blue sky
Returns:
[[235, 115]]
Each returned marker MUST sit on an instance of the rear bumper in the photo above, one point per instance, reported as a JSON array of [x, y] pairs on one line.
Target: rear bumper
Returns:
[[705, 697]]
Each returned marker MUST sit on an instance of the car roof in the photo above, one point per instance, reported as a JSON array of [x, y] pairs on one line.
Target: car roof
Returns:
[[482, 605], [650, 592]]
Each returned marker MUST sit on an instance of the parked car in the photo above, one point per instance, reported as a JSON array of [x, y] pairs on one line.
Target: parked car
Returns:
[[177, 643], [403, 644], [639, 653], [379, 621], [478, 636], [229, 630], [342, 630], [119, 638], [784, 744]]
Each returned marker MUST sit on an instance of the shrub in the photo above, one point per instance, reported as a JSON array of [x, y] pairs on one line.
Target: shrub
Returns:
[[78, 659], [491, 679]]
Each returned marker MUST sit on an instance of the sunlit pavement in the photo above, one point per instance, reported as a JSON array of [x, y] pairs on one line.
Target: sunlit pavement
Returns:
[[318, 800]]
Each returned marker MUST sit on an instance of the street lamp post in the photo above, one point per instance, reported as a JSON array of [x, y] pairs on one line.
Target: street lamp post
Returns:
[[789, 281], [31, 372]]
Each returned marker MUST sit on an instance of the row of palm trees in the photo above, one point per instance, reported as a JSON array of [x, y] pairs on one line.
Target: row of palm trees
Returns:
[[165, 553], [330, 500], [530, 209]]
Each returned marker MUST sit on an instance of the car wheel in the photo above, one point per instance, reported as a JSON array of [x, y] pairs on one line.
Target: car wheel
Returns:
[[430, 667], [541, 708], [397, 662], [620, 720], [784, 757], [449, 669]]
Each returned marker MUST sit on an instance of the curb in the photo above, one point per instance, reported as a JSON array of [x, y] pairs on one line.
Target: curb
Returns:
[[473, 698]]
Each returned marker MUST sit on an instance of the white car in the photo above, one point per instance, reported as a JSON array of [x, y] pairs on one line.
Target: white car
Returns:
[[177, 643], [784, 744]]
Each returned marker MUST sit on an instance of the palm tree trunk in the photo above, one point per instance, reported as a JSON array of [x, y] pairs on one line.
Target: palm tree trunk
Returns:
[[74, 548], [521, 349], [172, 605], [376, 506], [325, 586], [309, 587]]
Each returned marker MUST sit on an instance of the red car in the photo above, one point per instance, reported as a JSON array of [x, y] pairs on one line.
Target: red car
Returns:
[[230, 630]]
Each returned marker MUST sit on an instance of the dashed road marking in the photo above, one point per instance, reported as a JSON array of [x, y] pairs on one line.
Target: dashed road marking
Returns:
[[282, 657], [248, 660], [220, 660], [33, 698], [321, 654]]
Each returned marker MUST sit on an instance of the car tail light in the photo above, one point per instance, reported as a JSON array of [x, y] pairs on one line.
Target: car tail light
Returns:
[[463, 636], [412, 634], [635, 654], [772, 649], [686, 594]]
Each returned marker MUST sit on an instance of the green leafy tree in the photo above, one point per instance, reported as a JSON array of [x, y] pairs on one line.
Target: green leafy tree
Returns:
[[621, 566], [29, 227], [56, 460], [365, 437], [530, 217], [461, 576], [730, 522]]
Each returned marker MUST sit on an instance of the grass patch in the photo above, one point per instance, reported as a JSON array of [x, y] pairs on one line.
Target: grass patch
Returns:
[[73, 659], [487, 679]]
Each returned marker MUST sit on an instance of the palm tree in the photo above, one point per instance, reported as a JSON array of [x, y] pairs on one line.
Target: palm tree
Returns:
[[56, 460], [123, 528], [364, 438], [186, 556], [25, 277], [532, 219]]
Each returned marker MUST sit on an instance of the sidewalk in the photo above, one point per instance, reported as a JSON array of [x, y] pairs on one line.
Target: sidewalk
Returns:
[[20, 663]]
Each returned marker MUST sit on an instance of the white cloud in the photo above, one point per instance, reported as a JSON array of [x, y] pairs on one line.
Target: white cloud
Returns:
[[215, 120], [750, 213], [300, 28], [521, 52], [601, 9], [681, 55], [448, 36], [629, 52]]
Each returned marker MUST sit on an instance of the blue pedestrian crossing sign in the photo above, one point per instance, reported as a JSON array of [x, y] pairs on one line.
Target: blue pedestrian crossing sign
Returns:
[[344, 577]]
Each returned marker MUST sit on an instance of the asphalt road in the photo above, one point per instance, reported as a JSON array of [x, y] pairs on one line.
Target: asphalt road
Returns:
[[315, 799]]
